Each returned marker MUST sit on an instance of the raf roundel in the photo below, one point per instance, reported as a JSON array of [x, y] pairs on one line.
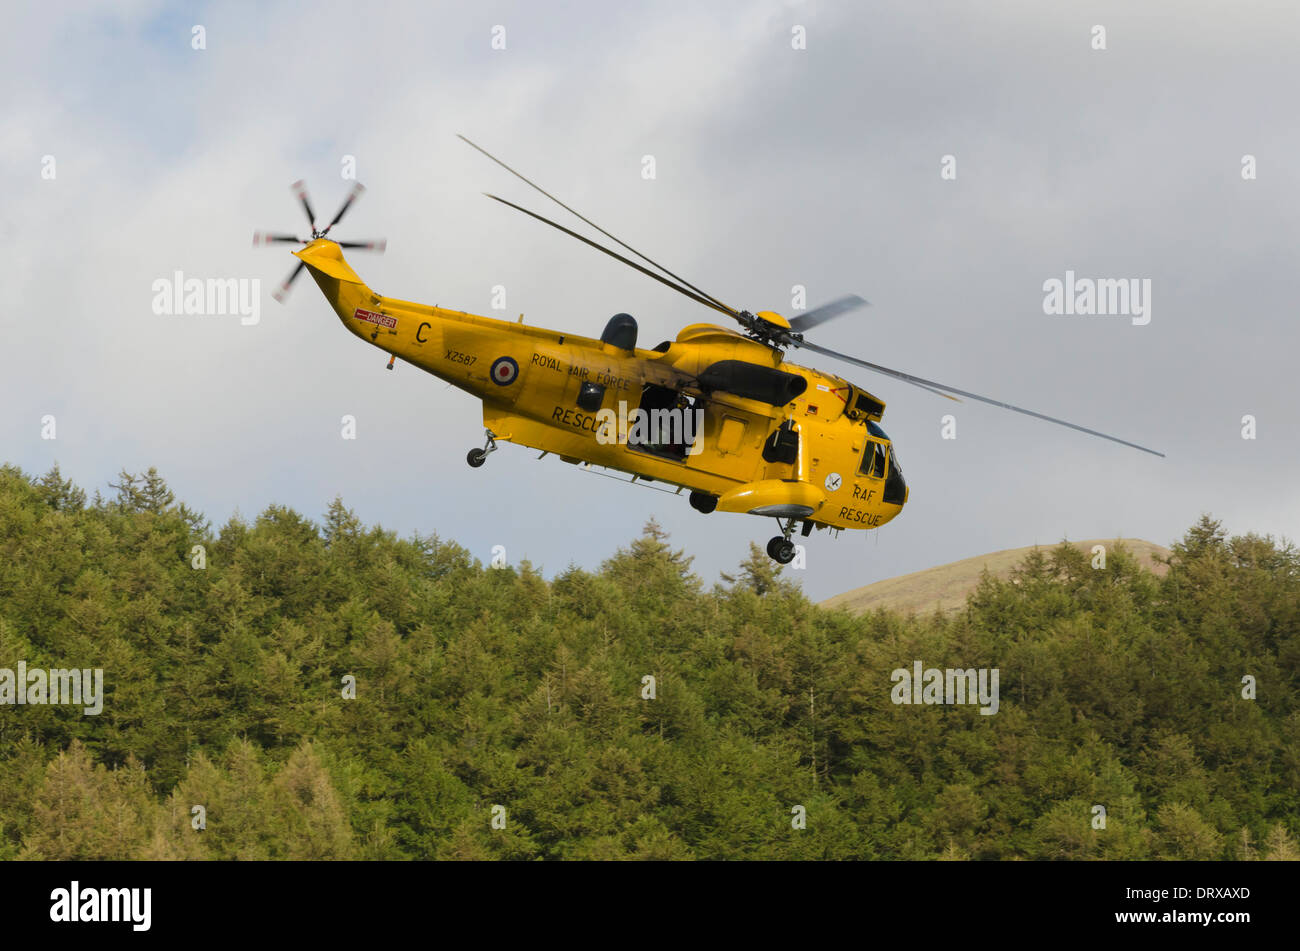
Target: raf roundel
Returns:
[[504, 371]]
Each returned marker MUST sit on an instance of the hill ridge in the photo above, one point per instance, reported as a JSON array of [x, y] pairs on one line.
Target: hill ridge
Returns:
[[946, 587]]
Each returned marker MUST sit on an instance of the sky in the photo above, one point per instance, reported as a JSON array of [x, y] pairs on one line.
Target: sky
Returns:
[[128, 154]]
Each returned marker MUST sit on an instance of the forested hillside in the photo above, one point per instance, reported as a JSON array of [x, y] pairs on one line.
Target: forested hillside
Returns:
[[478, 687]]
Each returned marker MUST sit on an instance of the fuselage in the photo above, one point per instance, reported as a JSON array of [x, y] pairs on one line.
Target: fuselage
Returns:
[[559, 392]]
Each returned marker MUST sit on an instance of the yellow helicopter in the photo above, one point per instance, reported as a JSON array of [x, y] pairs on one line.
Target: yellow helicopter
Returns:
[[717, 412]]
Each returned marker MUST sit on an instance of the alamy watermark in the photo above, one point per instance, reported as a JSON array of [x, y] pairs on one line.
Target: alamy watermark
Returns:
[[653, 427], [1103, 297], [951, 685], [215, 297], [77, 904], [59, 686]]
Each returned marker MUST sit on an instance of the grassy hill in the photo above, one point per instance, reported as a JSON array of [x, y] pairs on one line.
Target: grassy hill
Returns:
[[946, 587]]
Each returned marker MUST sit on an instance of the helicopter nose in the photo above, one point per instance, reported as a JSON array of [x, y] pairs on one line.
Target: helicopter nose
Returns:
[[898, 491]]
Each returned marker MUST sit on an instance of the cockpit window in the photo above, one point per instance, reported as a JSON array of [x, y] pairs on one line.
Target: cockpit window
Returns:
[[895, 487], [879, 458], [873, 460]]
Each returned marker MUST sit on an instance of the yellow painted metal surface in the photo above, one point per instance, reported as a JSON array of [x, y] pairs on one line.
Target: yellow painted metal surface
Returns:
[[529, 380], [769, 493]]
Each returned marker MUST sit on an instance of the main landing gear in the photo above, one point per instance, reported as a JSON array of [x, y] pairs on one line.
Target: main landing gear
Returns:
[[780, 549], [477, 457]]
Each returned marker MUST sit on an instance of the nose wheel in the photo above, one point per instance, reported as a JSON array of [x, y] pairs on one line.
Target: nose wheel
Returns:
[[477, 457], [780, 549]]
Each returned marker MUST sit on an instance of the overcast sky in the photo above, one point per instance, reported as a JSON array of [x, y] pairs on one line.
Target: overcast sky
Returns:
[[774, 166]]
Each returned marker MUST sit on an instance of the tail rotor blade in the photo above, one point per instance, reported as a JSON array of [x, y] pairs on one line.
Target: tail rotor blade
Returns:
[[357, 189], [300, 188], [380, 245], [267, 237], [282, 291]]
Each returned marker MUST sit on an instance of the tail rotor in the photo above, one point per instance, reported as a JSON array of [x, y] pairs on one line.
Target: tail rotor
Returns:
[[270, 237]]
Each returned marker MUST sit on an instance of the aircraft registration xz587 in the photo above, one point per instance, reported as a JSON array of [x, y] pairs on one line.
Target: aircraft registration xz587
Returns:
[[718, 412]]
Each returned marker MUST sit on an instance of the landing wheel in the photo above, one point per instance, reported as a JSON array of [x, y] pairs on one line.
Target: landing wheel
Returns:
[[477, 457], [781, 550], [703, 502]]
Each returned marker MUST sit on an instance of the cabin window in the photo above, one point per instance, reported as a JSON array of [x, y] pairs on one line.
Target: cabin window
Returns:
[[783, 445], [590, 396], [666, 424]]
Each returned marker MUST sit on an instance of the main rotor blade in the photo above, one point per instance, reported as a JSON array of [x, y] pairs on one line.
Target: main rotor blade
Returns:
[[282, 291], [618, 257], [717, 304], [301, 189], [357, 189], [819, 315], [934, 387], [381, 245], [871, 366]]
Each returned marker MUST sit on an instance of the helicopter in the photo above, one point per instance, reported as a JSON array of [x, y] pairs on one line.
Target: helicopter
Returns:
[[718, 411]]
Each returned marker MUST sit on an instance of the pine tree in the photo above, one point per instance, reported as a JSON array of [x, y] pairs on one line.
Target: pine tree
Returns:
[[59, 493], [341, 524]]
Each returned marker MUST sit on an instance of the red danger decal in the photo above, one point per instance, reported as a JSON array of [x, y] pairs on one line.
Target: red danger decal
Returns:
[[370, 317]]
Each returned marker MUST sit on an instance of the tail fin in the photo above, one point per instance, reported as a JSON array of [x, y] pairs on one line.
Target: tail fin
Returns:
[[343, 289], [326, 256]]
